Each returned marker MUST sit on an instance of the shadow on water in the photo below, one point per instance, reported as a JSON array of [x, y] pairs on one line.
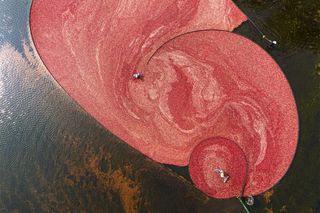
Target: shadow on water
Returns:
[[54, 157]]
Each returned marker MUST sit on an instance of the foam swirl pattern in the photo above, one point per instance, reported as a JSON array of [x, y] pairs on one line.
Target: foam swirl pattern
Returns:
[[197, 86]]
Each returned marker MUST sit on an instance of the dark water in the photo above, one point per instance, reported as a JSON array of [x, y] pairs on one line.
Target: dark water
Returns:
[[55, 158]]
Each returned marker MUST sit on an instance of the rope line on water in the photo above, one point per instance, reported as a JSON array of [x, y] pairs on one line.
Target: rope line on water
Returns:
[[243, 205]]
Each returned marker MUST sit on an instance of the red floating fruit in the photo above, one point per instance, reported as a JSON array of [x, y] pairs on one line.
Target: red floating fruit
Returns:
[[195, 86], [215, 154]]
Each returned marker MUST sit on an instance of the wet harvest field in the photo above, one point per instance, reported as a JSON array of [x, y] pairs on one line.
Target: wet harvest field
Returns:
[[54, 157]]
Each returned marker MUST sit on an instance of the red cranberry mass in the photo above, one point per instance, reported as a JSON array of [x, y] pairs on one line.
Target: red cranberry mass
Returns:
[[170, 79]]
